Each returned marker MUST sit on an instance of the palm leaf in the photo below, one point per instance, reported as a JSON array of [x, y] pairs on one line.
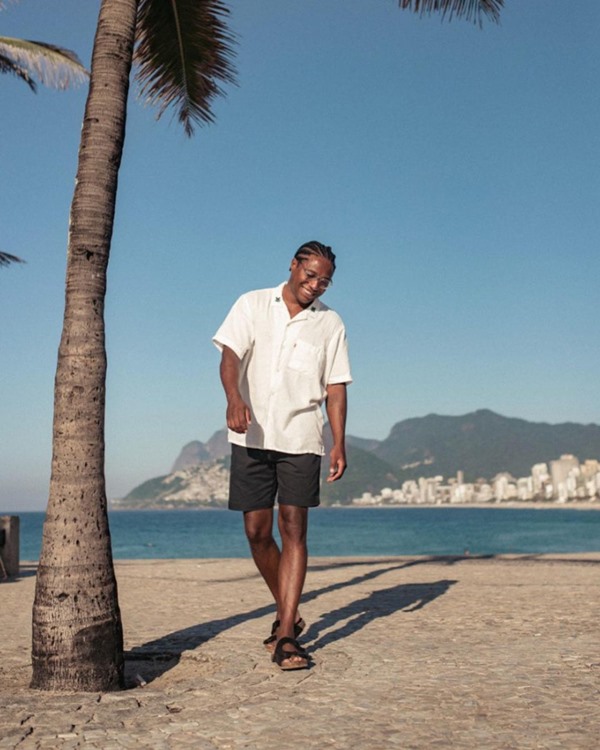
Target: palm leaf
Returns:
[[471, 10], [183, 50], [53, 66], [8, 66], [6, 259]]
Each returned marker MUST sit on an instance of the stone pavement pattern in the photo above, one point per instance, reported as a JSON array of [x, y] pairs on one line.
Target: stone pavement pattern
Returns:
[[474, 653]]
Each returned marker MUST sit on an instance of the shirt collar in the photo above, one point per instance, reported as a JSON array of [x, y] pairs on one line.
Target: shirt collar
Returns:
[[278, 293], [278, 299]]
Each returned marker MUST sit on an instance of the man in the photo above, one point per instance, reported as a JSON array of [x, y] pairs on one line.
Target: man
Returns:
[[284, 353]]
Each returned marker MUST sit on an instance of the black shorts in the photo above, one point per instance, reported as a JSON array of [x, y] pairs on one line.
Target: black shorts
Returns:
[[259, 476]]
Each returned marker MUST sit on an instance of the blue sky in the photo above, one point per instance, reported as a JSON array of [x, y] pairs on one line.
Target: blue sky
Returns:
[[453, 170]]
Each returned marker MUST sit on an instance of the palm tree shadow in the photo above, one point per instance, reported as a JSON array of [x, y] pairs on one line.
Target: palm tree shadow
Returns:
[[153, 658], [408, 597]]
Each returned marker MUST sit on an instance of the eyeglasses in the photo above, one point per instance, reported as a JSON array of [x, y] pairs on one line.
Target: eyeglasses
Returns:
[[323, 282]]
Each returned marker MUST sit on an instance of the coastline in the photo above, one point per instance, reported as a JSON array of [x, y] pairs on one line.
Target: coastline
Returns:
[[509, 504], [505, 504]]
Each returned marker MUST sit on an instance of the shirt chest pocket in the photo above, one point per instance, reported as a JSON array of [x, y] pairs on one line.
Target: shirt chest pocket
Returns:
[[305, 357]]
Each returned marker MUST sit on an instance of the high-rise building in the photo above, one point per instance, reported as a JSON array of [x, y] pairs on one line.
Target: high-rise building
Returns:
[[562, 470]]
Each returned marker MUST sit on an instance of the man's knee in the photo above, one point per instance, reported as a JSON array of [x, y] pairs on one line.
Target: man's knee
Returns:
[[293, 523], [258, 526]]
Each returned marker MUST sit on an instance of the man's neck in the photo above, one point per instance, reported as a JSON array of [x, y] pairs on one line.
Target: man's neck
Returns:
[[294, 307]]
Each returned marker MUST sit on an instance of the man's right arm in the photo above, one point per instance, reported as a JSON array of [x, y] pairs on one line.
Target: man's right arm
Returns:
[[238, 412]]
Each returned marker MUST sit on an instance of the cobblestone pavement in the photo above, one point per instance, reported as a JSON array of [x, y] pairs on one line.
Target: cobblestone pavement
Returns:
[[477, 653]]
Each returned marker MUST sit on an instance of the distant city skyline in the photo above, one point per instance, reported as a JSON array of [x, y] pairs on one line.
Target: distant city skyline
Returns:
[[452, 169], [567, 480]]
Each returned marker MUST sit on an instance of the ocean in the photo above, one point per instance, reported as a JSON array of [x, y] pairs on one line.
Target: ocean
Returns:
[[339, 532]]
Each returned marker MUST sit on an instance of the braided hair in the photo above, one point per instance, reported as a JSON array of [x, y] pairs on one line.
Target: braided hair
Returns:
[[315, 248]]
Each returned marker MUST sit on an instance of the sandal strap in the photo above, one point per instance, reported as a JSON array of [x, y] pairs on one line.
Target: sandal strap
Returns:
[[273, 636], [298, 628], [280, 654]]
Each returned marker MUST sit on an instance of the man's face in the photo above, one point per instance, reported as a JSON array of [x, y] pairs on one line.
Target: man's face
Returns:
[[309, 278]]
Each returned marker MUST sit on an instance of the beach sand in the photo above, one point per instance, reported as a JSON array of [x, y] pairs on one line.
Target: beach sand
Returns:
[[495, 652]]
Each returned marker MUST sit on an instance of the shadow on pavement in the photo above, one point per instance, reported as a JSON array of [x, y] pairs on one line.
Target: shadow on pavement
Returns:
[[161, 655], [407, 597]]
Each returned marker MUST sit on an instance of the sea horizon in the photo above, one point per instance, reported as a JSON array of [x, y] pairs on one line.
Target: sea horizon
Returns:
[[347, 531]]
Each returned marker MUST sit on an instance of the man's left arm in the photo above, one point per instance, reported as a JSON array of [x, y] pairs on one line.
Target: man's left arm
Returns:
[[336, 405]]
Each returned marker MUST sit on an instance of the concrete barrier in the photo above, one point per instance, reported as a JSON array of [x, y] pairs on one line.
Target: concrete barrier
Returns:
[[9, 546]]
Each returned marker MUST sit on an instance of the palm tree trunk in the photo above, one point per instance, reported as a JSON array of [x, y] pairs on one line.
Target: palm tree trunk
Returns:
[[77, 633]]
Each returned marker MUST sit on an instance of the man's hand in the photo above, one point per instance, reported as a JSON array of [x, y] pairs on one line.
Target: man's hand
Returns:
[[238, 412], [337, 464], [238, 415]]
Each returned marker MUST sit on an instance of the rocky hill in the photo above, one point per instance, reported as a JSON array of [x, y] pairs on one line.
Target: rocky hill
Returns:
[[204, 485], [480, 444], [196, 452]]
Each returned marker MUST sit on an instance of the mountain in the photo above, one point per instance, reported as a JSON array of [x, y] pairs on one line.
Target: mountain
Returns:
[[196, 452], [480, 444], [203, 485], [365, 444]]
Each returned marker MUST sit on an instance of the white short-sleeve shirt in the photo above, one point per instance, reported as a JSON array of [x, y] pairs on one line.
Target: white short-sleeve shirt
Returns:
[[286, 366]]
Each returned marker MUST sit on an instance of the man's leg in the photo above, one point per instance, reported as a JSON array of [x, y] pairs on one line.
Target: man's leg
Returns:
[[293, 525], [258, 525]]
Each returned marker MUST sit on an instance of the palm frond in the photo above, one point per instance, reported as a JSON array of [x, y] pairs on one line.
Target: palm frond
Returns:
[[53, 66], [7, 258], [471, 10], [8, 66], [183, 49]]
